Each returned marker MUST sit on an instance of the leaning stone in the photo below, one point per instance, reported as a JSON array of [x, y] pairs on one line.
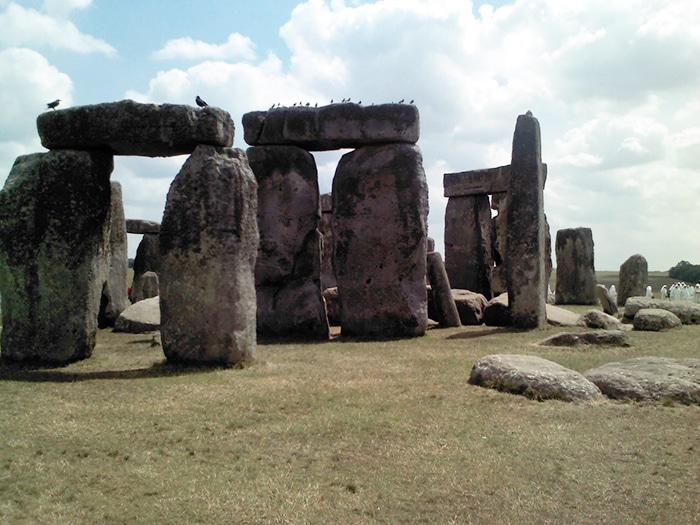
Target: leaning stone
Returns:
[[446, 312], [380, 209], [141, 317], [146, 287], [333, 127], [140, 226], [131, 128], [601, 320], [208, 245], [596, 338], [533, 377], [633, 279], [655, 320], [575, 269], [688, 312], [470, 306], [54, 254], [650, 378], [602, 295]]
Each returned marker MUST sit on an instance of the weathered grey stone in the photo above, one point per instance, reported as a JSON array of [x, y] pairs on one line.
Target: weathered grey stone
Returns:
[[446, 313], [525, 235], [332, 300], [140, 226], [324, 226], [499, 278], [380, 208], [141, 317], [470, 306], [288, 267], [147, 286], [557, 316], [655, 320], [131, 128], [575, 267], [333, 127], [497, 313], [633, 279], [602, 295], [601, 320], [597, 338], [147, 260], [54, 254], [468, 257], [208, 245], [649, 378], [533, 377], [476, 182], [114, 294], [687, 311]]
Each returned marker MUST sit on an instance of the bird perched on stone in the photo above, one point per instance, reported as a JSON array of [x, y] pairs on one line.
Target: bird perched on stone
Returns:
[[52, 105], [200, 102]]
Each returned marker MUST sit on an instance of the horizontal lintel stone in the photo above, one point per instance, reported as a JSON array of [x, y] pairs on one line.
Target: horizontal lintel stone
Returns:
[[336, 126], [478, 182], [140, 226]]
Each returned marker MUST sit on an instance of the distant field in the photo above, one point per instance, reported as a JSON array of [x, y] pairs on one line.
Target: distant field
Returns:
[[607, 278]]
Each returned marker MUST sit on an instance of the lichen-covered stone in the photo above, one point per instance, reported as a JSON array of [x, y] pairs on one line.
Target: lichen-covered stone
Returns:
[[688, 312], [114, 296], [633, 278], [575, 267], [655, 320], [140, 226]]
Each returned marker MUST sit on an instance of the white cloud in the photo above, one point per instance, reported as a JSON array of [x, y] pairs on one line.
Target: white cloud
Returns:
[[63, 7], [24, 27], [236, 47]]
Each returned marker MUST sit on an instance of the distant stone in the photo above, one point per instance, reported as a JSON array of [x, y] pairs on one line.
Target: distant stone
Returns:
[[324, 227], [141, 317], [575, 269], [148, 286], [607, 302], [634, 275], [533, 377], [132, 128], [600, 320], [470, 306], [208, 246], [650, 379], [596, 338], [139, 226], [114, 294], [688, 312], [655, 320], [333, 127], [445, 309], [332, 300], [147, 260]]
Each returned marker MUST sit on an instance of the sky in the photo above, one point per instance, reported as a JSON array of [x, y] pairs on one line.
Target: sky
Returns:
[[615, 85]]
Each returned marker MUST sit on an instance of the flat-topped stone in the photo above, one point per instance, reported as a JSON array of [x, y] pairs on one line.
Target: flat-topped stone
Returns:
[[140, 227], [333, 127], [687, 311], [132, 128]]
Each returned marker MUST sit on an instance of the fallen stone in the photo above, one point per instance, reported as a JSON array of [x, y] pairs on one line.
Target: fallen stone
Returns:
[[140, 226], [139, 318], [597, 338], [470, 306], [649, 378], [688, 312], [601, 320], [655, 320], [533, 377], [602, 295], [132, 128], [333, 127], [557, 316]]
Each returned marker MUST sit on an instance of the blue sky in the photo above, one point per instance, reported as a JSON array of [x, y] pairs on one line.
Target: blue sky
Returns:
[[614, 84]]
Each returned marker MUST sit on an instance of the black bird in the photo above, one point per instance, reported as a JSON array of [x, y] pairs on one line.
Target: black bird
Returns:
[[200, 102], [400, 101], [52, 105]]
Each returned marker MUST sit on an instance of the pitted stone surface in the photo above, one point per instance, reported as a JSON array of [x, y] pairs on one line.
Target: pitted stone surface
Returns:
[[114, 295], [132, 128], [532, 376], [141, 317], [333, 127], [687, 311], [575, 267], [655, 320], [140, 226]]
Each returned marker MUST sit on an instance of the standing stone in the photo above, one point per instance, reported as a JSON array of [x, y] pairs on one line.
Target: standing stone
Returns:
[[446, 309], [575, 267], [498, 244], [468, 257], [324, 226], [525, 235], [380, 208], [633, 278], [149, 286], [114, 296], [288, 268], [147, 260], [54, 254], [208, 246]]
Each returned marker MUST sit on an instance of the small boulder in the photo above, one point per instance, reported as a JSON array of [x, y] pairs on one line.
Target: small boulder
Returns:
[[688, 312], [557, 316], [141, 317], [655, 320], [497, 313], [470, 306], [597, 338], [533, 377], [600, 320]]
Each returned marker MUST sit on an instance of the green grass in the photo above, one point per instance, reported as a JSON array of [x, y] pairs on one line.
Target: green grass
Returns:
[[341, 432]]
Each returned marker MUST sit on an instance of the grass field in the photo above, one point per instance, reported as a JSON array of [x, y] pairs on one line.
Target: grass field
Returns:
[[341, 432]]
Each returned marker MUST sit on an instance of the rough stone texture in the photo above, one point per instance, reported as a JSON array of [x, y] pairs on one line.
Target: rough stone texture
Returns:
[[131, 128], [470, 306], [601, 320], [333, 127], [655, 320], [476, 182], [114, 295], [141, 317], [54, 254], [468, 257], [575, 267], [633, 279], [597, 338], [525, 231], [446, 313], [687, 311], [380, 208], [557, 316], [533, 377], [602, 295], [324, 226], [148, 286], [650, 378], [497, 313], [147, 260], [288, 267], [208, 245], [332, 300], [140, 226]]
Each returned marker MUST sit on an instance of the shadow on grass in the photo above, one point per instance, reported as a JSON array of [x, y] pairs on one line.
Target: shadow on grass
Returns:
[[472, 334]]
